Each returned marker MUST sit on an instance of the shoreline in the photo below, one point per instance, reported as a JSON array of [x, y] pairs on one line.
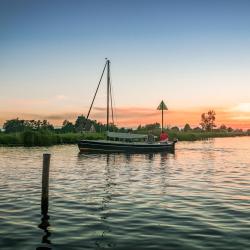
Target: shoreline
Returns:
[[45, 138]]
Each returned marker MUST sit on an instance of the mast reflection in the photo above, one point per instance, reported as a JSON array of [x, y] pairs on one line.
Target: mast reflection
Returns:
[[105, 239]]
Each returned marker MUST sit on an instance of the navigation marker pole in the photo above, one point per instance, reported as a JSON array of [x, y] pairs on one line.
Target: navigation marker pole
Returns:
[[162, 106]]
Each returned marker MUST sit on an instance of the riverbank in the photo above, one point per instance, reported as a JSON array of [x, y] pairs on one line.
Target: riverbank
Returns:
[[45, 138]]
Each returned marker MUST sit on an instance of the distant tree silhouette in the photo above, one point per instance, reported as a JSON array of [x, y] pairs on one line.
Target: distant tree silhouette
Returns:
[[187, 128], [223, 127], [207, 120], [16, 125], [153, 126], [68, 127], [80, 123], [197, 129], [175, 129]]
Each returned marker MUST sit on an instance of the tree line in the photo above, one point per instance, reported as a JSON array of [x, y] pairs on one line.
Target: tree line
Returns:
[[83, 124], [80, 125]]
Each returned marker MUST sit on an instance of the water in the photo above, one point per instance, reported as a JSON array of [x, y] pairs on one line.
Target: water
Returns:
[[198, 198]]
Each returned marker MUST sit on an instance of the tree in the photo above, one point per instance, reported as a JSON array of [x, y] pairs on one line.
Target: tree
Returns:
[[80, 123], [238, 130], [197, 129], [153, 126], [175, 129], [222, 127], [68, 127], [207, 120], [46, 125], [187, 127], [113, 127], [14, 125]]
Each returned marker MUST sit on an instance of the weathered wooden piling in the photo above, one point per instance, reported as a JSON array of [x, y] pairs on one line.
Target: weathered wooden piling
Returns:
[[45, 185]]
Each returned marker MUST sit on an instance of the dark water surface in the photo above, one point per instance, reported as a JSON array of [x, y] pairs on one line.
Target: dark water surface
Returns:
[[198, 198]]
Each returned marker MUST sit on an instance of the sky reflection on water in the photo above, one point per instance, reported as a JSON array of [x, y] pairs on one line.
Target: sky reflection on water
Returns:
[[196, 198]]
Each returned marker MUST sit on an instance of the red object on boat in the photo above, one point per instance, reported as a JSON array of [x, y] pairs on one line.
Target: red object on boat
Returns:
[[163, 136]]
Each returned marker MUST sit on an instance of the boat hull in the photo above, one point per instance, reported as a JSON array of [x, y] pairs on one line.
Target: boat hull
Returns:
[[123, 147]]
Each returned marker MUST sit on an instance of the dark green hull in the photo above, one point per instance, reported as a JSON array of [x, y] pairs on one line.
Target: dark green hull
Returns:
[[112, 146]]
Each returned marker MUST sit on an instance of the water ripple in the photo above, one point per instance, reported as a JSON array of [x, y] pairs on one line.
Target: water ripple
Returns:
[[198, 198]]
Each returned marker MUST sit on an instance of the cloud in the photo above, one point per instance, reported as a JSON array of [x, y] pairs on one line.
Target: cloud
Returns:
[[242, 107], [61, 97]]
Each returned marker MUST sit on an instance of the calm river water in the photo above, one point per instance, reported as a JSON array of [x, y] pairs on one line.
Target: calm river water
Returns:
[[198, 198]]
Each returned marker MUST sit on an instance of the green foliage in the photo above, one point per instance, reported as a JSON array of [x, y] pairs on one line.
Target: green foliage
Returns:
[[67, 127], [194, 136], [187, 128], [153, 128], [41, 133], [16, 125], [197, 129], [11, 139], [47, 138], [80, 123], [175, 129], [39, 138]]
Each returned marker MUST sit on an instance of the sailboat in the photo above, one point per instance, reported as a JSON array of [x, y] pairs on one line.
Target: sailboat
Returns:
[[122, 142]]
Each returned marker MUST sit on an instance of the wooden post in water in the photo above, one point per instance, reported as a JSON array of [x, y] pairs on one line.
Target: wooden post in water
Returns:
[[46, 244], [45, 185]]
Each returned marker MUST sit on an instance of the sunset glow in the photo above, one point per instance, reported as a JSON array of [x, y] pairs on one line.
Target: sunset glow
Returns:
[[134, 116], [51, 61]]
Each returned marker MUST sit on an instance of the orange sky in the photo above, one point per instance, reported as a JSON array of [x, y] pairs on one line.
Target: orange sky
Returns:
[[134, 116], [193, 56]]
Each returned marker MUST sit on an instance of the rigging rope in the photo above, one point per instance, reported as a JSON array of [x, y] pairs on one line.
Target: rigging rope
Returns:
[[96, 90], [111, 101], [114, 103]]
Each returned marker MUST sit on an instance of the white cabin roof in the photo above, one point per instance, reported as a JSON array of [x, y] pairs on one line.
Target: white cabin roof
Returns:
[[126, 135]]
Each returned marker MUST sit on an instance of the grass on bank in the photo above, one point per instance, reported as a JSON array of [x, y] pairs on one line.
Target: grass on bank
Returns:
[[46, 138], [194, 136]]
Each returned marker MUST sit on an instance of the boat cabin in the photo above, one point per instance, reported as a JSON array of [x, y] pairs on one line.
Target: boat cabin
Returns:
[[128, 137]]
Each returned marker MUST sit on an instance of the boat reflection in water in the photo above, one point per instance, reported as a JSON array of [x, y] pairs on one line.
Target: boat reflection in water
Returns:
[[113, 165], [105, 240]]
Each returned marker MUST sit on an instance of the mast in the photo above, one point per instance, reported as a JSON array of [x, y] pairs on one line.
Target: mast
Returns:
[[162, 118], [108, 91]]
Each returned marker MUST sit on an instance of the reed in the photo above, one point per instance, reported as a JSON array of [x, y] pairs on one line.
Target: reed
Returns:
[[194, 136], [45, 138], [48, 138]]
